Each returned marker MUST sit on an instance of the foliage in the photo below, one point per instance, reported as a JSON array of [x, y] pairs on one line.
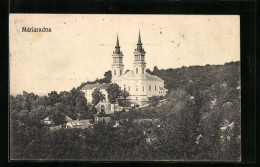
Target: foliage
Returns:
[[97, 96], [113, 92], [124, 94], [154, 100]]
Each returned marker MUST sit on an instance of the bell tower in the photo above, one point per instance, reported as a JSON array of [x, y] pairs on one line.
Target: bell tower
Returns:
[[139, 62], [117, 65]]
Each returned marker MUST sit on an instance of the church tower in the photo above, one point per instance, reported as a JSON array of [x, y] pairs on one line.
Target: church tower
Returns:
[[139, 63], [117, 66]]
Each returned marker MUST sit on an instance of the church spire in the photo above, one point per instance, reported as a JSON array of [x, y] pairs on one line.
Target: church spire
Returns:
[[117, 50], [139, 39], [139, 44]]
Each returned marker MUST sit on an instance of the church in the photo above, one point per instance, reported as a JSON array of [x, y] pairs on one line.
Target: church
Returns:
[[140, 84]]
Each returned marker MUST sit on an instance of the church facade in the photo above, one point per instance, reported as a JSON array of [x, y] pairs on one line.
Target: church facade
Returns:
[[140, 84]]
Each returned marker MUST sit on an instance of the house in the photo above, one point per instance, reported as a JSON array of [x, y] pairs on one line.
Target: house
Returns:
[[73, 124], [81, 124]]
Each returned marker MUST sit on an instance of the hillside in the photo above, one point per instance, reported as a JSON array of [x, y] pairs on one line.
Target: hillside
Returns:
[[199, 121]]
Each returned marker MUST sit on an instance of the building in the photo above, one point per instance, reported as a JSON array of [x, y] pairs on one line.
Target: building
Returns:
[[89, 88], [140, 84], [80, 124]]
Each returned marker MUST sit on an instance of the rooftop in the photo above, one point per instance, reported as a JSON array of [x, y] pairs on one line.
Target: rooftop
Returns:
[[147, 75], [94, 86]]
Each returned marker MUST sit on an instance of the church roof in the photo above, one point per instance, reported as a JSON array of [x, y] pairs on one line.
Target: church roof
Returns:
[[147, 75], [94, 86], [152, 77]]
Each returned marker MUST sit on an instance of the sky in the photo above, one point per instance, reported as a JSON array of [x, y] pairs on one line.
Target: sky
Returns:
[[79, 47]]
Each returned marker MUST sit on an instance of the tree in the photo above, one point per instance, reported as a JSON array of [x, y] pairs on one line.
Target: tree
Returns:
[[53, 98], [156, 71], [107, 77], [154, 100], [149, 71], [124, 94], [113, 92], [42, 100], [97, 96], [81, 104], [123, 102], [58, 118], [210, 142]]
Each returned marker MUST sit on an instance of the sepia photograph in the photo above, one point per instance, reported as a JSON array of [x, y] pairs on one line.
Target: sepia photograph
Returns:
[[124, 87]]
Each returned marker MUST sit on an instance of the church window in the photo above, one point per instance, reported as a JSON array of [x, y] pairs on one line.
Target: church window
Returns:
[[149, 87], [114, 72], [136, 70], [155, 87], [143, 70], [120, 72], [143, 88], [128, 88], [136, 98]]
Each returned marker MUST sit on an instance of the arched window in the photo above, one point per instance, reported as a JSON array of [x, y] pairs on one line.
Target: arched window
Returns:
[[120, 72], [136, 88], [136, 71], [149, 87], [114, 72], [128, 88], [154, 87], [143, 70]]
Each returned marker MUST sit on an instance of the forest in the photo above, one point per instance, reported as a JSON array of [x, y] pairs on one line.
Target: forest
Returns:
[[199, 121]]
